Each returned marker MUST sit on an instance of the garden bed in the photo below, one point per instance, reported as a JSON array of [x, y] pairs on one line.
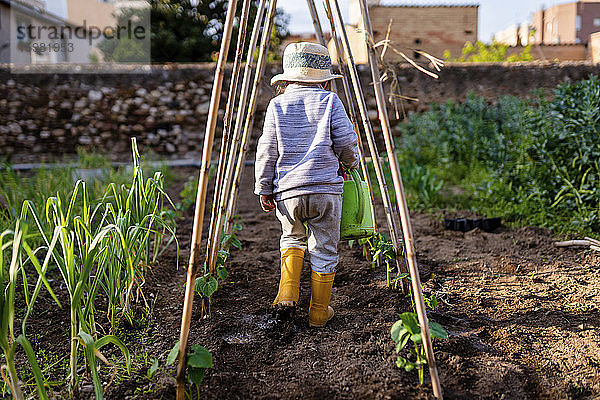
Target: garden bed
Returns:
[[522, 319]]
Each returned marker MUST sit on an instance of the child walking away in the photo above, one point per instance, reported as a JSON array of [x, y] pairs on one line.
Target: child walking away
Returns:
[[306, 135]]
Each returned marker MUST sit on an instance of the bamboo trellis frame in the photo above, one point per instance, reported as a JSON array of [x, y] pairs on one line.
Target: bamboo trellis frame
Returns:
[[213, 232], [234, 147], [225, 184], [194, 261], [401, 202], [262, 59], [376, 159], [349, 99]]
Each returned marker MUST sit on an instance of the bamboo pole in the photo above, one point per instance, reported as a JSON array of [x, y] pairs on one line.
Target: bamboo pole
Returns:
[[350, 101], [225, 188], [316, 23], [401, 202], [262, 58], [318, 30], [194, 262], [377, 164], [229, 110]]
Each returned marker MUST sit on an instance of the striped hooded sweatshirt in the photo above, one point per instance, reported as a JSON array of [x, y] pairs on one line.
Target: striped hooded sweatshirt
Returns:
[[306, 134]]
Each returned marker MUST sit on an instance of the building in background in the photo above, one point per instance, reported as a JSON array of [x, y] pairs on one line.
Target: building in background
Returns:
[[567, 23], [431, 28], [561, 32], [80, 26], [18, 50], [515, 35], [92, 12], [4, 31], [99, 12]]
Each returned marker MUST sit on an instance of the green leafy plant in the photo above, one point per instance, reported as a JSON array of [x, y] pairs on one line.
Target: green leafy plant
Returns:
[[407, 330], [382, 249], [92, 351], [529, 162], [188, 194], [97, 244], [493, 52], [197, 361], [102, 246], [145, 227], [153, 369], [207, 284]]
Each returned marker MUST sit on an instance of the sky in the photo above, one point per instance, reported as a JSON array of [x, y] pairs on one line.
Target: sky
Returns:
[[494, 15]]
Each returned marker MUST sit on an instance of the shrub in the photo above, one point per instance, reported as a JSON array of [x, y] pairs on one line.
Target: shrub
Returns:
[[529, 162], [493, 52]]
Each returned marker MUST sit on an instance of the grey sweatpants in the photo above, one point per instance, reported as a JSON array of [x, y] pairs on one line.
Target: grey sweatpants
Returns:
[[312, 221]]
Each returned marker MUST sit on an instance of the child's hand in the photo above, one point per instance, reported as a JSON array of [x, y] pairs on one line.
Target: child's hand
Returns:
[[267, 202]]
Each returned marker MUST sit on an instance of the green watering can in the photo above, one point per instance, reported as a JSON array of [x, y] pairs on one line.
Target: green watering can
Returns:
[[357, 217]]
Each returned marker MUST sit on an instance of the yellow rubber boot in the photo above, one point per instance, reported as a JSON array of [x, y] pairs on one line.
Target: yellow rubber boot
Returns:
[[320, 312], [292, 260]]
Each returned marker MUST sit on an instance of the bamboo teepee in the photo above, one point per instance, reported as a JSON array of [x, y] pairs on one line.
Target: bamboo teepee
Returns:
[[235, 141]]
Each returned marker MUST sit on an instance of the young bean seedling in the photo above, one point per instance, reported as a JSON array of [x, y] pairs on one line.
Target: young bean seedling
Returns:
[[207, 284]]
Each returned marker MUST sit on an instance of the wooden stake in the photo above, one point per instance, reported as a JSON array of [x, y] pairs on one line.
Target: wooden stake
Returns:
[[194, 262], [262, 58], [401, 202], [377, 164], [213, 235], [318, 31], [236, 139], [350, 101]]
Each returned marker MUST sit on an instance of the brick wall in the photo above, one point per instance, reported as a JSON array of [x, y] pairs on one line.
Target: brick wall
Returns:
[[433, 29]]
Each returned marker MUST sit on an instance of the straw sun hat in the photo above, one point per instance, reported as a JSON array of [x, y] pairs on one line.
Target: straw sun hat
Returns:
[[305, 62]]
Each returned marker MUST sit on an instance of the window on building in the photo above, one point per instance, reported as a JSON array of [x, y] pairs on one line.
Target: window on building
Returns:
[[597, 21], [468, 32], [578, 23]]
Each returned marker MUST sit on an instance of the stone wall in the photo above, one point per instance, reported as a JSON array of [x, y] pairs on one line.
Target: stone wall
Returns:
[[45, 116]]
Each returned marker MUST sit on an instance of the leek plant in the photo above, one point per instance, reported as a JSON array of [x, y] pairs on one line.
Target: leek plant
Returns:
[[20, 253], [99, 247], [104, 246], [144, 227], [81, 247]]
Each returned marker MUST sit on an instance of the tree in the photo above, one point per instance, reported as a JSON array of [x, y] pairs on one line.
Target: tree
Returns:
[[183, 34]]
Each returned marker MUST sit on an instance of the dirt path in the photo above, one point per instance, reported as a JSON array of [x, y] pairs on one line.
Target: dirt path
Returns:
[[522, 317]]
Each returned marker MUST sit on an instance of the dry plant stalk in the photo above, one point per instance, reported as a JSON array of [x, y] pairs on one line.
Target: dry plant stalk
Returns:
[[389, 71], [592, 243]]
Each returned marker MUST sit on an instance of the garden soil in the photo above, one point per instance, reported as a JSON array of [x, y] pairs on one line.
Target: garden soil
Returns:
[[522, 318]]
